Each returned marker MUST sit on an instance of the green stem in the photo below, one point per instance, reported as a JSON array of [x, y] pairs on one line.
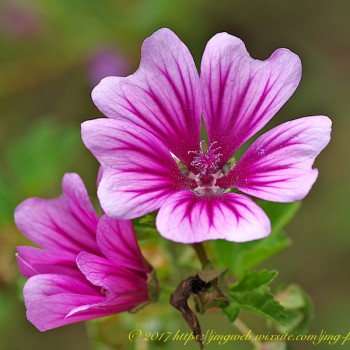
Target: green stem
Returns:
[[240, 325], [202, 255], [243, 328], [141, 345]]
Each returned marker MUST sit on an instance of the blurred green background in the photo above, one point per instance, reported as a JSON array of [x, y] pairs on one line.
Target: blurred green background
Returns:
[[52, 53]]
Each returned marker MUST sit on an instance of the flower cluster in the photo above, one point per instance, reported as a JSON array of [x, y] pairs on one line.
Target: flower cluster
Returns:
[[152, 157]]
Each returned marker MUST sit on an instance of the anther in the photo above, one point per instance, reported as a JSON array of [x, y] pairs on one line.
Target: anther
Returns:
[[206, 160]]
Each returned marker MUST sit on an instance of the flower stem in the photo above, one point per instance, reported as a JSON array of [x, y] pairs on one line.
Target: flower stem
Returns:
[[240, 325], [202, 255], [243, 328]]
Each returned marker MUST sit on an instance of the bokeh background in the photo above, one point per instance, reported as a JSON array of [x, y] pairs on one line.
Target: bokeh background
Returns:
[[52, 53]]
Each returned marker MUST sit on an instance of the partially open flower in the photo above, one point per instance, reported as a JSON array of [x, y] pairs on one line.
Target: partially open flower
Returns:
[[89, 267]]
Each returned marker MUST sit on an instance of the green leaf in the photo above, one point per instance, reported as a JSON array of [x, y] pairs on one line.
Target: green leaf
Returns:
[[295, 318], [145, 233], [280, 214], [254, 279], [298, 308], [231, 311], [148, 219], [240, 257], [252, 294], [292, 297], [145, 229]]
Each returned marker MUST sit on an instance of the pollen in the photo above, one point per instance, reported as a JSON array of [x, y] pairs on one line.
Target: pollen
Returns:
[[206, 160]]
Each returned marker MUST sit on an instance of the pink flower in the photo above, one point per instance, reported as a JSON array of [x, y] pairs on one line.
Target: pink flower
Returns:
[[89, 267], [20, 20], [104, 62], [151, 149]]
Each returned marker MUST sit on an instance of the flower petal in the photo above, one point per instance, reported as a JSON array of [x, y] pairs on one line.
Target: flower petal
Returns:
[[138, 171], [120, 303], [54, 311], [67, 223], [103, 273], [26, 269], [278, 165], [188, 218], [242, 94], [49, 298], [162, 96], [118, 243], [40, 286], [99, 176], [79, 202], [33, 261]]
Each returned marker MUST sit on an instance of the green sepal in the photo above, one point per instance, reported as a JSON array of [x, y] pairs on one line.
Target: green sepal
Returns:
[[152, 291], [215, 295], [153, 286]]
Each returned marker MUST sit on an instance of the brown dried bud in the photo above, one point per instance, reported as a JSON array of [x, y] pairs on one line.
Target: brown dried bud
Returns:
[[187, 287]]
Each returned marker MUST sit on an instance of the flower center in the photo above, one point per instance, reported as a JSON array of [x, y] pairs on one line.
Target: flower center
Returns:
[[206, 171], [206, 166], [206, 160]]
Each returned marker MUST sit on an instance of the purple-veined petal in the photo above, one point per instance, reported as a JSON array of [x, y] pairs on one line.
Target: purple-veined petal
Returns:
[[138, 171], [33, 261], [241, 94], [79, 202], [188, 218], [49, 298], [55, 310], [98, 180], [117, 241], [113, 278], [67, 223], [99, 176], [162, 96], [40, 286], [278, 165], [120, 303], [26, 269]]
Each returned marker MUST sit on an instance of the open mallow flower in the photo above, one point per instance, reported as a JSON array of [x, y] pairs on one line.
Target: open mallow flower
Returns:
[[153, 156], [88, 267]]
